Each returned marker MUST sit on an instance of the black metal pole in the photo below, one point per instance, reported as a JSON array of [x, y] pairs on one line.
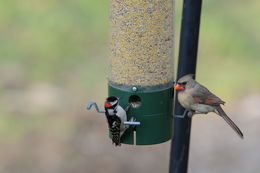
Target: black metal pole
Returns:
[[187, 65]]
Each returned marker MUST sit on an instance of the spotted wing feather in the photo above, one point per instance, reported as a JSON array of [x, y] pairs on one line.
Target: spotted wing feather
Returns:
[[114, 128]]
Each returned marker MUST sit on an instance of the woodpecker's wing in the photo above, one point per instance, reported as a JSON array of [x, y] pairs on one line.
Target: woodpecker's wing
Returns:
[[113, 121], [121, 114], [115, 132], [203, 96]]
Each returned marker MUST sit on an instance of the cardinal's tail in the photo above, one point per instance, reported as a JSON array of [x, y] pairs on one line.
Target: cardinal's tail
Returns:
[[229, 121]]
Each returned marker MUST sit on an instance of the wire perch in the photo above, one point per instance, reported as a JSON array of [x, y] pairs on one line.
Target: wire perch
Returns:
[[96, 106]]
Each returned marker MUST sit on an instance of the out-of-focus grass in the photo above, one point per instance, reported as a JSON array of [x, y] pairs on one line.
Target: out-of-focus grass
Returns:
[[58, 42], [228, 53]]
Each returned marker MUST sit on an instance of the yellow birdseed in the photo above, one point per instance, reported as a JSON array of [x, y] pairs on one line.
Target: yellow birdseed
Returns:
[[141, 42]]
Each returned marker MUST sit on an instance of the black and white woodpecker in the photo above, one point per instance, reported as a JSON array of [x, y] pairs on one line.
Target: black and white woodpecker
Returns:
[[116, 116]]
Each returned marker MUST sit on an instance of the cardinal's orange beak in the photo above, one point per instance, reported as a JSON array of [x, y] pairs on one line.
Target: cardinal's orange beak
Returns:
[[178, 87]]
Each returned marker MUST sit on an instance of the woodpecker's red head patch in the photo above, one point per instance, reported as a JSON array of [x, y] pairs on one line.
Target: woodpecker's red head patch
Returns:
[[107, 105], [111, 102]]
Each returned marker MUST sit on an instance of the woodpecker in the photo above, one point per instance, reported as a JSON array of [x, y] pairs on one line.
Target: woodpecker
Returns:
[[196, 98], [116, 116]]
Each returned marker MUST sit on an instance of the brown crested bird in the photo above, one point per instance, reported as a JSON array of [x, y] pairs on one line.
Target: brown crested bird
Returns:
[[197, 99]]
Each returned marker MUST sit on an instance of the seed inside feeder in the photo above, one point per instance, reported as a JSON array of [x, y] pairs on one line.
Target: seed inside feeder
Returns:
[[141, 42]]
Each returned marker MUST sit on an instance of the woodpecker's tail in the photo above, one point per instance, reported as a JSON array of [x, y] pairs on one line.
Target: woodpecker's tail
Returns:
[[116, 138], [229, 121]]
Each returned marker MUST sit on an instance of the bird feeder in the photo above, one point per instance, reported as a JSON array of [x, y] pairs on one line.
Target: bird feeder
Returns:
[[141, 66]]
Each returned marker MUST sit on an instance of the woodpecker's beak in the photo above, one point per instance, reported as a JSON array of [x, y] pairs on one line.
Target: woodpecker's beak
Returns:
[[178, 87]]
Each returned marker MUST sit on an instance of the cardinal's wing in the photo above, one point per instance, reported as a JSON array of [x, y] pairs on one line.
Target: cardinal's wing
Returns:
[[203, 96]]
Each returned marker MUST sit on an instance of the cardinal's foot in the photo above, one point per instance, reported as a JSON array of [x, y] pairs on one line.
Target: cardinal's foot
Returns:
[[190, 114]]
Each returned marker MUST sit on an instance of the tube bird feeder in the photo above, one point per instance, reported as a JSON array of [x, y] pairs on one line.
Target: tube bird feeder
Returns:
[[141, 66]]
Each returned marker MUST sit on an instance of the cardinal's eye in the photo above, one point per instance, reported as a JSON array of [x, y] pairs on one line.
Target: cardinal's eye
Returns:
[[183, 83]]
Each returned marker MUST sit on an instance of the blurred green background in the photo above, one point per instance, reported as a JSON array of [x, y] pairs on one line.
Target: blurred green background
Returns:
[[53, 60]]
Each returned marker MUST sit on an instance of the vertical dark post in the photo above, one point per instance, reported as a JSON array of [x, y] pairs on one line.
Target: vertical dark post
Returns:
[[187, 65]]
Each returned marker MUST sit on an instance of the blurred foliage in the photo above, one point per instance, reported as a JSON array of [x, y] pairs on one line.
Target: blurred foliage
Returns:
[[53, 39], [228, 58]]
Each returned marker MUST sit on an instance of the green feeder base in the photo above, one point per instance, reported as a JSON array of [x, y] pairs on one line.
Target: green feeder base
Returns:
[[153, 109]]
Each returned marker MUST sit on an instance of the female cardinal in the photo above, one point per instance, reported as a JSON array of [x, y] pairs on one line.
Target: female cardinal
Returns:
[[196, 98]]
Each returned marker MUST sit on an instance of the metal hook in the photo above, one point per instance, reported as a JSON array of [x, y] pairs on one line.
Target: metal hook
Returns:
[[96, 106], [181, 116]]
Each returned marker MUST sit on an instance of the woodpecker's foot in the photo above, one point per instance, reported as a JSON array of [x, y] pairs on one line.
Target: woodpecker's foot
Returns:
[[132, 119], [128, 107]]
